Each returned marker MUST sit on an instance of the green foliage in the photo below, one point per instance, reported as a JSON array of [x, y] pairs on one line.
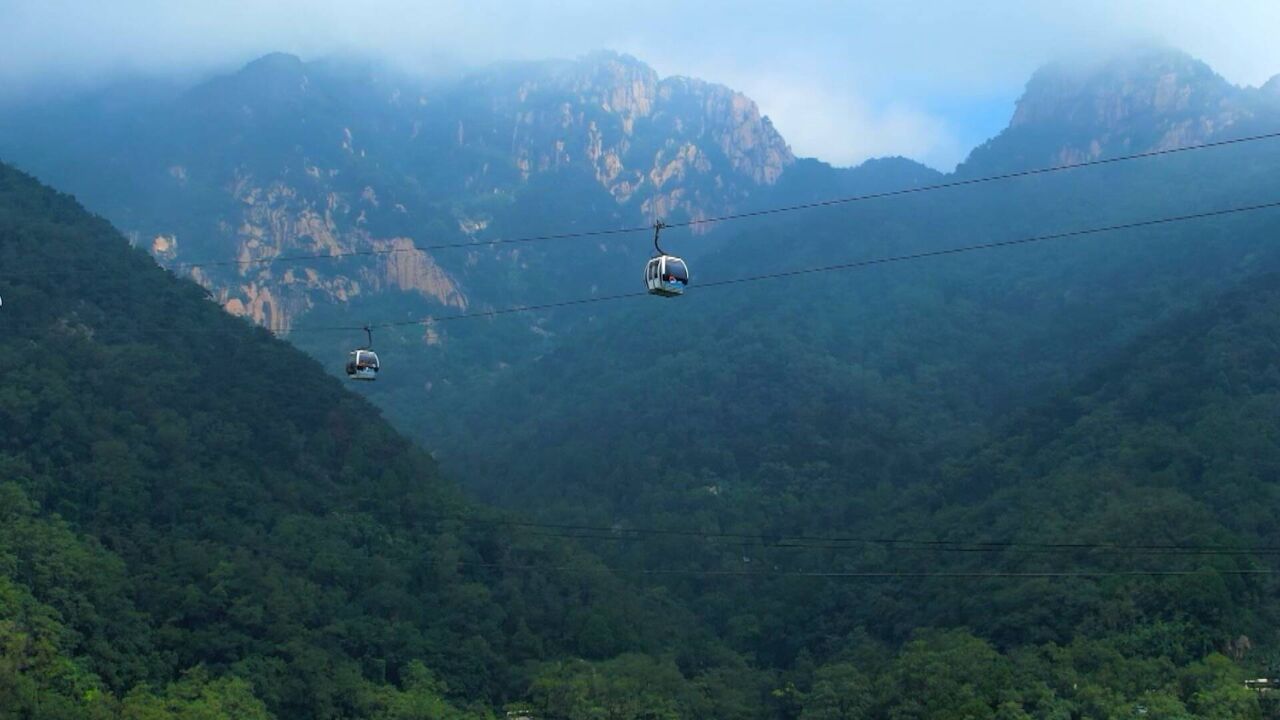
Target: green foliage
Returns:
[[181, 491], [197, 523], [840, 692], [629, 687]]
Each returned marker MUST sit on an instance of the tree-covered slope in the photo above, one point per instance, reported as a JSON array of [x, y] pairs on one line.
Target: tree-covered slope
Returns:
[[838, 404], [1163, 459], [1108, 552], [1156, 478], [871, 374], [186, 494]]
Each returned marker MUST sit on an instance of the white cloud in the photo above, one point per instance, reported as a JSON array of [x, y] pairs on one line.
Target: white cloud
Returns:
[[837, 125], [843, 80]]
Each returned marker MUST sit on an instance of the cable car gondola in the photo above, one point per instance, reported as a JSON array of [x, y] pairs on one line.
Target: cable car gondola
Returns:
[[362, 363], [665, 275]]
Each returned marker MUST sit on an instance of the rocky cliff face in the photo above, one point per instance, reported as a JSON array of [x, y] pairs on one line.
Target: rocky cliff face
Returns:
[[1142, 100], [1122, 90], [279, 220], [660, 146], [286, 158]]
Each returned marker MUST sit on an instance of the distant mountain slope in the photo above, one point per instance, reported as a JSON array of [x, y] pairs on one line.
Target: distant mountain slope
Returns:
[[1174, 443], [816, 405], [1142, 99], [185, 493], [1150, 478], [253, 521], [1189, 411], [931, 348], [286, 157]]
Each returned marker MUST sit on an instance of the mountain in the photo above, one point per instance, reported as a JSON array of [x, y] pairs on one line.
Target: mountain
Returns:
[[836, 405], [288, 158], [964, 337], [185, 535], [1065, 389], [285, 157], [197, 516], [1140, 100]]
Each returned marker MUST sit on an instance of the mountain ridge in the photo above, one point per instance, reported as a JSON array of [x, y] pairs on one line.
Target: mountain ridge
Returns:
[[191, 501], [974, 401], [1136, 101]]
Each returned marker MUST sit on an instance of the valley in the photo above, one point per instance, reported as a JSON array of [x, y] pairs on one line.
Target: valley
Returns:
[[1033, 481]]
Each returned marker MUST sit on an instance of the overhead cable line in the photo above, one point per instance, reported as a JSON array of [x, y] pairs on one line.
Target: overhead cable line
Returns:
[[186, 266], [497, 312], [567, 530], [415, 248], [975, 181], [764, 542], [870, 575], [760, 213], [925, 254]]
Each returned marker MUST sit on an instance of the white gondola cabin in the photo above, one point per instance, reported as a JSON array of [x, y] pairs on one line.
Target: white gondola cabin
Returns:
[[665, 275], [362, 363]]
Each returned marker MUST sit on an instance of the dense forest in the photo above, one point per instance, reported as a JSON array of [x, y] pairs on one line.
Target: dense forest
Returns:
[[1033, 483], [190, 504], [895, 403], [187, 536]]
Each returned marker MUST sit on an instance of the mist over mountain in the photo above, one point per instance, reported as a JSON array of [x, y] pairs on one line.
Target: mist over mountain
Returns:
[[331, 156], [1027, 482]]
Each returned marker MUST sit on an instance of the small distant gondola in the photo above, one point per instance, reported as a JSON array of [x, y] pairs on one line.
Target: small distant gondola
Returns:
[[665, 275], [362, 363]]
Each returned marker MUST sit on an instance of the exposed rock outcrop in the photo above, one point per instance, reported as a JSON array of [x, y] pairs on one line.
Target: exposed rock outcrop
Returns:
[[1149, 99]]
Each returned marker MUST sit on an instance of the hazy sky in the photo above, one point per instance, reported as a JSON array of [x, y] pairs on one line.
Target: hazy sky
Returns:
[[842, 81]]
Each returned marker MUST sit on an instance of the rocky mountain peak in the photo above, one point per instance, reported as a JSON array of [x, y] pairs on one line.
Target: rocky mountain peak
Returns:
[[336, 155], [630, 90], [1124, 88], [617, 83], [747, 138], [272, 64], [671, 145], [1140, 100], [264, 82]]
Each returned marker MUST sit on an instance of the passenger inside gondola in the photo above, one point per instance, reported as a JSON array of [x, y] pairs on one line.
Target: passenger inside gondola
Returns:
[[676, 272]]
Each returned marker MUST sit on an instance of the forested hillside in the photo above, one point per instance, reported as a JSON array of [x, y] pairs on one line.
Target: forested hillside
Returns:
[[1034, 481], [852, 404], [792, 397], [285, 158], [1109, 548], [194, 507]]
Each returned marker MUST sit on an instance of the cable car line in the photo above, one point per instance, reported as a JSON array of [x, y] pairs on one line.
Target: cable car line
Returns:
[[758, 213], [704, 221], [976, 181], [871, 574], [995, 244], [835, 544], [497, 312], [839, 542], [821, 269], [415, 248]]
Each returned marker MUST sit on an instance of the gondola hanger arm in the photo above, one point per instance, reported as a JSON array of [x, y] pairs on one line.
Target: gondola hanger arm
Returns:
[[657, 230]]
